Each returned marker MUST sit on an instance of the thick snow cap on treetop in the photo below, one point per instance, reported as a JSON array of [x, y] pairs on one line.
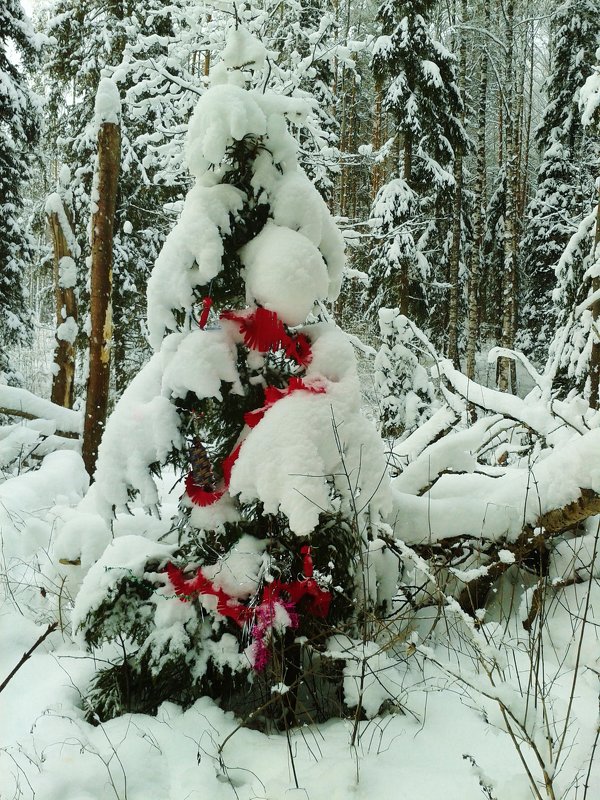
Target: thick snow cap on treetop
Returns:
[[298, 258], [107, 107]]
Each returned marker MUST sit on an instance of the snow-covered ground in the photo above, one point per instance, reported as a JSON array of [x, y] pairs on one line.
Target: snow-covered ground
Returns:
[[445, 737]]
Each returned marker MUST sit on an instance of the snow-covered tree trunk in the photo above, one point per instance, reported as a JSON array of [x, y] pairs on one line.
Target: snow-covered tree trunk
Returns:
[[104, 199], [595, 354], [63, 245], [524, 183], [19, 127]]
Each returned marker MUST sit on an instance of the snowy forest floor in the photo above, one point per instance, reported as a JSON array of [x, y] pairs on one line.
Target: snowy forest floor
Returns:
[[445, 734], [444, 739]]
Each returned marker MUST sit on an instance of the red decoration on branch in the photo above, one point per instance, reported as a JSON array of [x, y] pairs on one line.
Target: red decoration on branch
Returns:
[[263, 331], [307, 562], [227, 606], [276, 593], [206, 307], [228, 463], [200, 496], [273, 394], [298, 349], [266, 619]]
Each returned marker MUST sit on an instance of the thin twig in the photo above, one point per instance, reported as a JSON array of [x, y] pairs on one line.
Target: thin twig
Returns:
[[27, 655]]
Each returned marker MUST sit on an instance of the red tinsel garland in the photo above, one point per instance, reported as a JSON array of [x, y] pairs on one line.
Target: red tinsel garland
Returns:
[[263, 331], [200, 496], [228, 463], [273, 394], [227, 606], [287, 595]]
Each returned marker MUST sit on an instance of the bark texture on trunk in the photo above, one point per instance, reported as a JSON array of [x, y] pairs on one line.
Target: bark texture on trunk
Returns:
[[505, 383], [476, 256], [595, 354], [455, 247], [63, 382], [377, 171], [109, 151]]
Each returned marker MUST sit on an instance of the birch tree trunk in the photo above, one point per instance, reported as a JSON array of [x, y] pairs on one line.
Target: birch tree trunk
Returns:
[[509, 267], [476, 260], [524, 176], [63, 382], [109, 152], [455, 248]]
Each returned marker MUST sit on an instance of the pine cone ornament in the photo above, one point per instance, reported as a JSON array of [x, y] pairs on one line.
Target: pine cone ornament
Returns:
[[202, 471]]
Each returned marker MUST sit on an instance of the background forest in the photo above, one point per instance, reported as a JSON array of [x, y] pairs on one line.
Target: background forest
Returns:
[[223, 227], [465, 191]]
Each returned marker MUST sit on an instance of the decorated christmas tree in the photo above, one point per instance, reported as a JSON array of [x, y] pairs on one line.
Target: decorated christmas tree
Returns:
[[252, 399]]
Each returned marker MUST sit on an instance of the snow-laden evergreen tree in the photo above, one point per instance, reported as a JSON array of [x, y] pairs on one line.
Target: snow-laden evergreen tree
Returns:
[[574, 362], [282, 481], [573, 343], [311, 46], [405, 392], [303, 52], [19, 127], [565, 187], [410, 216]]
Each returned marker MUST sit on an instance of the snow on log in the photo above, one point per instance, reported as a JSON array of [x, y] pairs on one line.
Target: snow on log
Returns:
[[23, 403], [555, 493]]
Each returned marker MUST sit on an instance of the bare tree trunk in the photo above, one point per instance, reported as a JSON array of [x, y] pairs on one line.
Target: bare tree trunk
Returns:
[[524, 178], [377, 140], [476, 261], [109, 150], [455, 247], [63, 382], [206, 70]]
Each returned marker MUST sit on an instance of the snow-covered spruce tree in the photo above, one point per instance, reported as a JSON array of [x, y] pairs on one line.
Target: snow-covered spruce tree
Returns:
[[303, 46], [565, 188], [404, 390], [283, 484], [308, 42], [410, 215], [19, 124], [574, 361]]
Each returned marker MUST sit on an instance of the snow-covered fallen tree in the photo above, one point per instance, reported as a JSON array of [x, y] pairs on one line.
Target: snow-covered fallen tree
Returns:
[[33, 427], [492, 482]]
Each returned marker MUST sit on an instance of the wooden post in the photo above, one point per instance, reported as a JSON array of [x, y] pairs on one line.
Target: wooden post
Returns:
[[104, 205]]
